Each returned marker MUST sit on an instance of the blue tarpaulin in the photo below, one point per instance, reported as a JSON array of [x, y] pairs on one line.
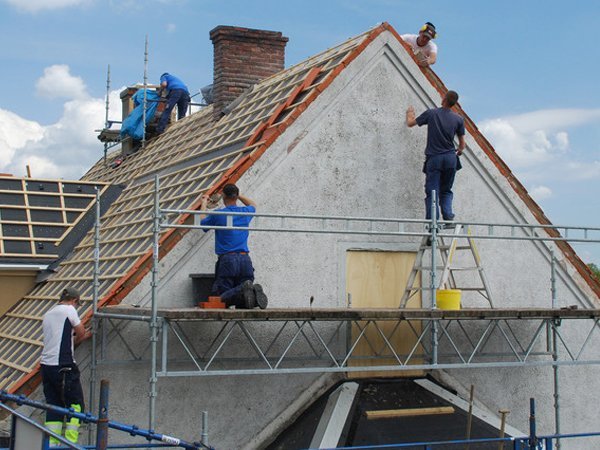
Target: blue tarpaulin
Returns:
[[132, 125]]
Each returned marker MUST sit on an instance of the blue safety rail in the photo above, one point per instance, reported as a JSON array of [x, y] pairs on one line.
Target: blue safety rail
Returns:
[[510, 443], [151, 435]]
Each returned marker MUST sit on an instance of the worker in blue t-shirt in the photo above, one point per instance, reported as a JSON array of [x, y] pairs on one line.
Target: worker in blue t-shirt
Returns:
[[177, 94], [234, 273], [441, 158]]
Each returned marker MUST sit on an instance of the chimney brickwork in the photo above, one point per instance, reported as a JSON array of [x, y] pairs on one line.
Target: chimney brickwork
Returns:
[[243, 57]]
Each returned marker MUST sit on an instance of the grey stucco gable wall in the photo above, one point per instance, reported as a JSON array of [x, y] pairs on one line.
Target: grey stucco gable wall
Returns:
[[349, 153]]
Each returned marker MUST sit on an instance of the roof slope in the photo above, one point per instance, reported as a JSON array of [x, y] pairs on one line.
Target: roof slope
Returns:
[[194, 156], [37, 214]]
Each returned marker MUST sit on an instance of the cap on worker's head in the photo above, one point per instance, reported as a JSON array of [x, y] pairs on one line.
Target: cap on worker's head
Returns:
[[231, 191], [428, 30], [164, 74], [69, 293]]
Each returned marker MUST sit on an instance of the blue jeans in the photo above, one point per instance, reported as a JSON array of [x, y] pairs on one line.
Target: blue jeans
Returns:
[[439, 177], [231, 270], [177, 97]]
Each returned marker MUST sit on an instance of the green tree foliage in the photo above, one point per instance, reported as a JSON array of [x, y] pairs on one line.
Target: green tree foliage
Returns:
[[595, 269]]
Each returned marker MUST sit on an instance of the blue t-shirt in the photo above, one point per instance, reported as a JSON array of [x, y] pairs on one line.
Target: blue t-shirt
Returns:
[[227, 241], [173, 82], [442, 125]]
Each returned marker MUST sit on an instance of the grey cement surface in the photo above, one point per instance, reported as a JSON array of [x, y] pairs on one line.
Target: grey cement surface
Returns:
[[350, 153]]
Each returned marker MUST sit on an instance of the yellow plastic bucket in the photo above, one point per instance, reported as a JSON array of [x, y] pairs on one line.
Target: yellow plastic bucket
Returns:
[[448, 299]]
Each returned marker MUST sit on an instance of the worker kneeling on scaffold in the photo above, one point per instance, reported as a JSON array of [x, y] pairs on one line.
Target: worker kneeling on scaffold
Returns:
[[62, 329], [234, 273]]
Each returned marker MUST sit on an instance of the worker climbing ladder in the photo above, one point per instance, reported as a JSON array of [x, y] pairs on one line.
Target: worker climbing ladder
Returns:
[[448, 253]]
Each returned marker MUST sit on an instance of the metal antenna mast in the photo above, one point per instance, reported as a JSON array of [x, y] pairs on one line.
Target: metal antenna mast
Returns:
[[145, 95], [106, 124]]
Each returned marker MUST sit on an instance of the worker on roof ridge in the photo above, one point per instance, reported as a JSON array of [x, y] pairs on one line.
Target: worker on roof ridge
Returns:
[[441, 158], [62, 329], [234, 273], [422, 44], [177, 94]]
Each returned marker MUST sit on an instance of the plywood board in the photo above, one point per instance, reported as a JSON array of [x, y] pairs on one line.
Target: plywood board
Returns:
[[377, 279]]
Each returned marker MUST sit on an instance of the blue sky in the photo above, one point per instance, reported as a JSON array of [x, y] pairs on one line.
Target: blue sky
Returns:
[[527, 73]]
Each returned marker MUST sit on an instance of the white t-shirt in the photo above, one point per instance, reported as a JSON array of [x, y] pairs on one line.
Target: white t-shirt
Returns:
[[58, 327], [421, 53]]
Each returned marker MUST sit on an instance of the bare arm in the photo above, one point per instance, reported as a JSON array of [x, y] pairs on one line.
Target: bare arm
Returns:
[[461, 145], [432, 58], [411, 121], [246, 201], [81, 333], [426, 61], [203, 205]]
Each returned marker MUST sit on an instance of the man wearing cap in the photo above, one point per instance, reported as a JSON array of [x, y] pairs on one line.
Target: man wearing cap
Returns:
[[177, 94], [234, 273], [422, 44], [60, 375]]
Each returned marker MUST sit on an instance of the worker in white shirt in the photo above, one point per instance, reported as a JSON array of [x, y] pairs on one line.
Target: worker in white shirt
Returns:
[[422, 44], [62, 329]]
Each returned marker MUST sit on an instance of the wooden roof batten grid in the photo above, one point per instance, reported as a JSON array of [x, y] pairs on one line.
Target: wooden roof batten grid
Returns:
[[16, 194], [254, 125]]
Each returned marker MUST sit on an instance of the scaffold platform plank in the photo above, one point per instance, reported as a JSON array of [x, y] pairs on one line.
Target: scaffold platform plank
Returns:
[[320, 314]]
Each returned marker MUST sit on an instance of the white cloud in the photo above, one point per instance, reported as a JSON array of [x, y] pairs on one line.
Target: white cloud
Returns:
[[16, 133], [57, 81], [562, 140], [171, 27], [553, 119], [34, 6], [523, 148], [540, 192], [583, 171], [65, 149], [538, 137]]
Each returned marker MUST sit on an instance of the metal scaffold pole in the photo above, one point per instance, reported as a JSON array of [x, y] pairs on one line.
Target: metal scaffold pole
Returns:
[[95, 294], [154, 314], [106, 124], [556, 323], [145, 95], [434, 327]]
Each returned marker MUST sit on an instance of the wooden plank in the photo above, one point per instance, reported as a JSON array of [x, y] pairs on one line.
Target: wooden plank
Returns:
[[408, 412], [15, 366], [332, 314], [22, 339]]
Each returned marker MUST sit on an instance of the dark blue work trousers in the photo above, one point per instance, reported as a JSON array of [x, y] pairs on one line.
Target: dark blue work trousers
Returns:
[[231, 270], [62, 387], [439, 177], [179, 97]]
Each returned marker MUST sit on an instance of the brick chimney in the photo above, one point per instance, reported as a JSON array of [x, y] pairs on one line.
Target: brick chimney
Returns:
[[243, 57]]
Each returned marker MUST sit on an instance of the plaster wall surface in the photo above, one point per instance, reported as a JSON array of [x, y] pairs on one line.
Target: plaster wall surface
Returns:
[[350, 154]]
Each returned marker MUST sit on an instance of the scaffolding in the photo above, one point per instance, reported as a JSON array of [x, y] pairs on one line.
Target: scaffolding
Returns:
[[320, 340], [111, 137]]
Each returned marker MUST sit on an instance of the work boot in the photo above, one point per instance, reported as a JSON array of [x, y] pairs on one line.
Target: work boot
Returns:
[[451, 225], [260, 297], [248, 294]]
